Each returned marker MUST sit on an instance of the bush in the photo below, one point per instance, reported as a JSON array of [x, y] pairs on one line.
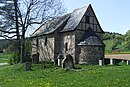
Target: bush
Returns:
[[27, 50], [28, 57], [14, 59], [10, 61]]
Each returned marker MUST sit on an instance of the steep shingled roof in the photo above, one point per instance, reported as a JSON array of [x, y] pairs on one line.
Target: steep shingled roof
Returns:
[[73, 20], [50, 26]]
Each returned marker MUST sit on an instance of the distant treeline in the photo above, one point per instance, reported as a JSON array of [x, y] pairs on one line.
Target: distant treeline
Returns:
[[10, 46], [7, 45]]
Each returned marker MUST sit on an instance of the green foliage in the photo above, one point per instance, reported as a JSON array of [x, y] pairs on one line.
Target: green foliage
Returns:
[[106, 36], [10, 61], [128, 33], [122, 63], [14, 59], [116, 42], [86, 76], [27, 45], [27, 49], [127, 40], [111, 35]]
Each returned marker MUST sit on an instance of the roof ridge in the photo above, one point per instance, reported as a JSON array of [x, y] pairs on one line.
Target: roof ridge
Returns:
[[80, 8]]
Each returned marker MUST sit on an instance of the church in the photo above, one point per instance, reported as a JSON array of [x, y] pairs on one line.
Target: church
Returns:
[[78, 34]]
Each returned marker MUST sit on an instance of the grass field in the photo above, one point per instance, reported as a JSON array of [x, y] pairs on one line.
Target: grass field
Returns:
[[52, 76], [4, 58]]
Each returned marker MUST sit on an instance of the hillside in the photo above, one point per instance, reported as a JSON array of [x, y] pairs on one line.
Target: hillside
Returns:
[[117, 43], [7, 44], [3, 43]]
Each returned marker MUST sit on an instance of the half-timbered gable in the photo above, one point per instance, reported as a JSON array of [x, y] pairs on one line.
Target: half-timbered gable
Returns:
[[89, 19]]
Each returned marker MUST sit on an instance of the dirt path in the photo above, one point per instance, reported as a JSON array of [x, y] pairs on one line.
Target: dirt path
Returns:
[[3, 64]]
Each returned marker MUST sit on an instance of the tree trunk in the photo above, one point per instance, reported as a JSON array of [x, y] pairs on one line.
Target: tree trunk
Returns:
[[17, 26], [22, 54]]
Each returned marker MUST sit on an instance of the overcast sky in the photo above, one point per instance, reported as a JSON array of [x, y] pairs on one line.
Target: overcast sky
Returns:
[[113, 15]]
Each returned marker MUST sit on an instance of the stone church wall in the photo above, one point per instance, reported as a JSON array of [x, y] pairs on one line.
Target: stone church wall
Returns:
[[45, 48], [91, 54], [68, 44], [78, 37]]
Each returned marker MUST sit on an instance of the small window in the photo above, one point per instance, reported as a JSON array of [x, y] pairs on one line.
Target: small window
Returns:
[[37, 42], [87, 19], [66, 46], [45, 41], [79, 50]]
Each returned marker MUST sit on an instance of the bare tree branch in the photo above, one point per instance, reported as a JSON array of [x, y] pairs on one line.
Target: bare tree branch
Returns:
[[1, 30], [6, 36], [23, 14]]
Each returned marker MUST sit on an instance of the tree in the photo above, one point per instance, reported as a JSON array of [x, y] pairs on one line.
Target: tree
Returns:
[[6, 15], [9, 27], [106, 35], [116, 41], [28, 13], [127, 40]]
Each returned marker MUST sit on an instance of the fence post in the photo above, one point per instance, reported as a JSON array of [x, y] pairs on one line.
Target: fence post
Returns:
[[101, 62], [112, 61], [128, 62]]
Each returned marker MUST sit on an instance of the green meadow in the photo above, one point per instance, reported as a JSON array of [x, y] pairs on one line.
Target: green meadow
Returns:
[[53, 76]]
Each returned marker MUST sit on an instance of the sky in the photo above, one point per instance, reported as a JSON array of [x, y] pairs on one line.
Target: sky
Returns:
[[113, 15]]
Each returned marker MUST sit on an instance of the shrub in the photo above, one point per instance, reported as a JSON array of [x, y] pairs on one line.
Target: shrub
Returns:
[[14, 59], [28, 57], [27, 50], [10, 61]]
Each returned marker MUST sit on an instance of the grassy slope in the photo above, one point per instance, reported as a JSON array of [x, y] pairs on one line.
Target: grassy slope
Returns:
[[88, 76]]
